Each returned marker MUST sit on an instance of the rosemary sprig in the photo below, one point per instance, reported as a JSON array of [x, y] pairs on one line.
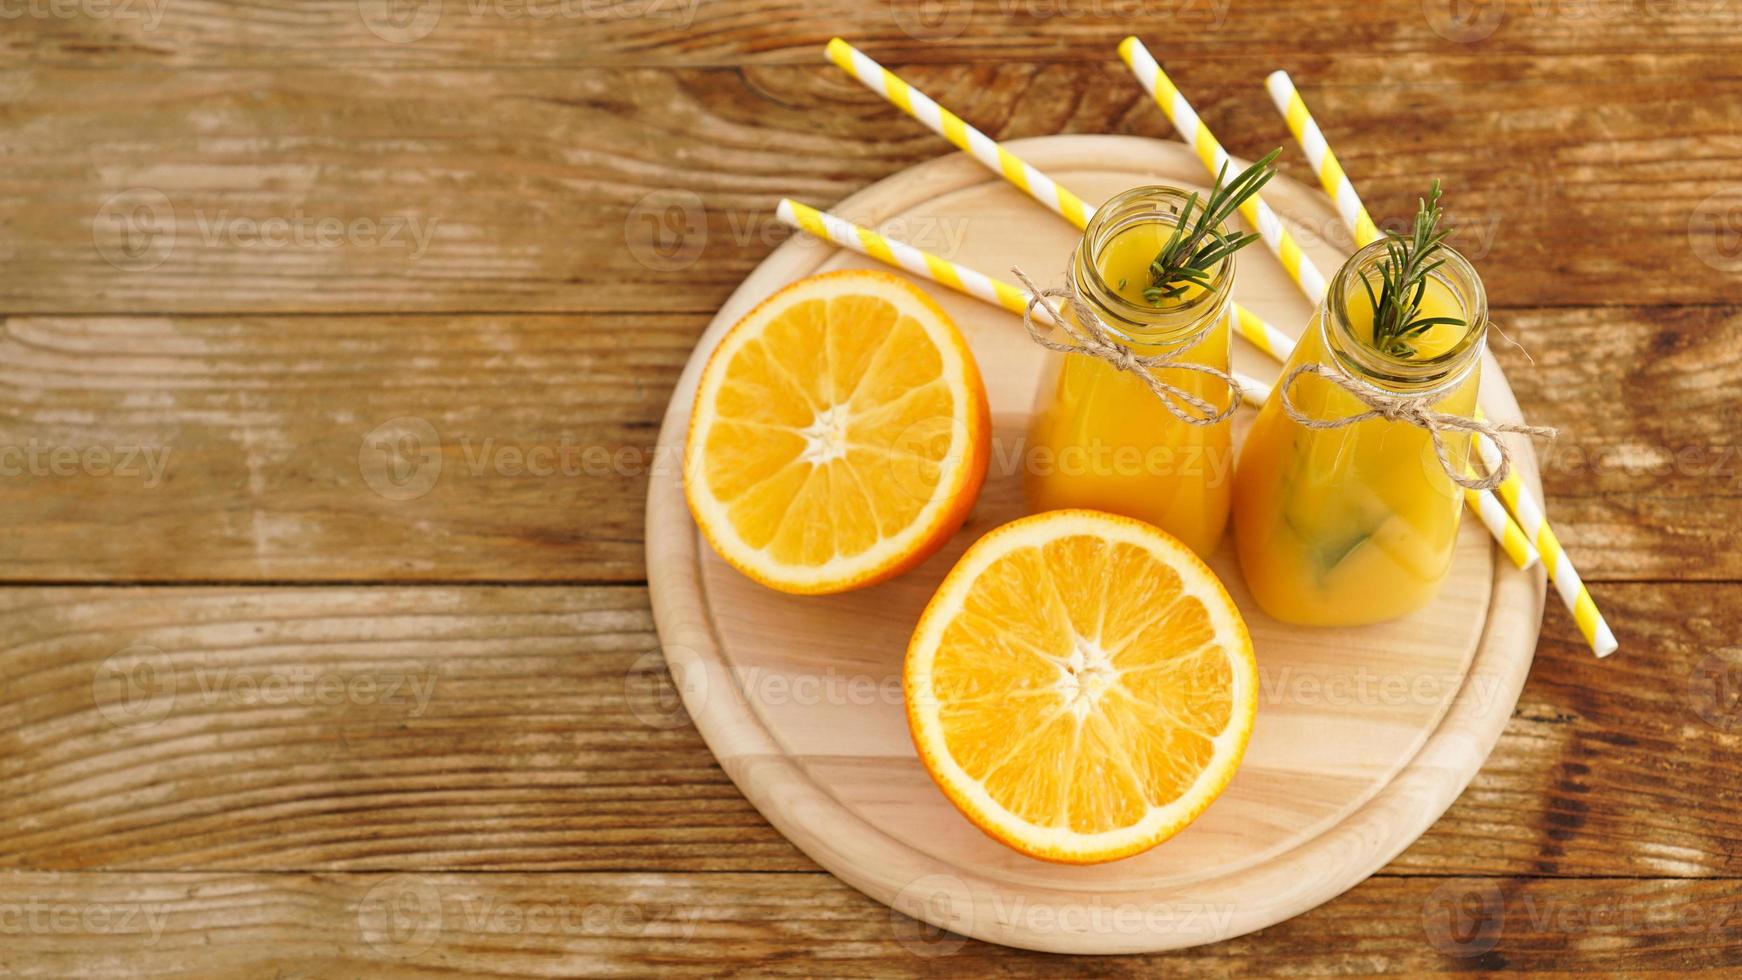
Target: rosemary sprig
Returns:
[[1199, 242], [1403, 273]]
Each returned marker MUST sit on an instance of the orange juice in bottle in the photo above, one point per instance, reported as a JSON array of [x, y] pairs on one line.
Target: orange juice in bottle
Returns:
[[1358, 523], [1100, 437]]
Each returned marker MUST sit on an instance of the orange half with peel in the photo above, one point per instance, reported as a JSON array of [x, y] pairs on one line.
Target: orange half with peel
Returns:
[[839, 436], [1081, 686]]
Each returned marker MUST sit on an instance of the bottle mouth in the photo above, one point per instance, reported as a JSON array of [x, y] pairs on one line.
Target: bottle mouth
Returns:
[[1357, 354], [1142, 322]]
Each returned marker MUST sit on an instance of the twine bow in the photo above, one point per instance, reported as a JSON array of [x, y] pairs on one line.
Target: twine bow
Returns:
[[1089, 335], [1412, 410]]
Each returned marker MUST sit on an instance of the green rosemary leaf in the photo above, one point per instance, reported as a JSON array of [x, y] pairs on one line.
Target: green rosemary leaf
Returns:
[[1198, 243], [1226, 246], [1403, 275]]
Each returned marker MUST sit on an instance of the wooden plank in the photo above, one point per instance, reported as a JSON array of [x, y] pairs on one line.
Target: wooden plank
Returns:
[[1646, 471], [482, 448], [653, 189], [373, 728], [592, 924], [290, 448], [590, 32], [535, 729], [1624, 763]]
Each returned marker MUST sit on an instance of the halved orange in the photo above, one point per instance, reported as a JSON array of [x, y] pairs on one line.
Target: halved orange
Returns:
[[840, 434], [1081, 686]]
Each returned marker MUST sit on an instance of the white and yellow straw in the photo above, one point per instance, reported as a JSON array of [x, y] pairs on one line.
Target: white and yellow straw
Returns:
[[1586, 617], [829, 228], [1203, 142], [1524, 505], [1500, 524], [1021, 174], [965, 137], [1318, 153], [968, 282]]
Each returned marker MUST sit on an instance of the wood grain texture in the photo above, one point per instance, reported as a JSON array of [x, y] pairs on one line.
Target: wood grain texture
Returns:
[[1621, 767], [754, 925], [1571, 135], [284, 448], [260, 424], [640, 189], [449, 33], [342, 728]]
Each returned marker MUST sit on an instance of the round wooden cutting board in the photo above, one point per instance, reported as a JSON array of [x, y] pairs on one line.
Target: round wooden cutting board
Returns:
[[1363, 738]]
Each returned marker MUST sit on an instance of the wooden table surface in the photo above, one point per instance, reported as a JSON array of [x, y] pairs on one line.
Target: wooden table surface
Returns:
[[336, 337]]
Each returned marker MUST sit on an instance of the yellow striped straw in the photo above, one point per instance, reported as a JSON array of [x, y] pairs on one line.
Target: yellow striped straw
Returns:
[[1023, 175], [968, 282], [1500, 524], [839, 231], [1198, 136], [1318, 153], [963, 136], [1566, 579], [1531, 524]]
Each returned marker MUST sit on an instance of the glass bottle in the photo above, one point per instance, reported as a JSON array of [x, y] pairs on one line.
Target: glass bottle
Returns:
[[1357, 524], [1100, 438]]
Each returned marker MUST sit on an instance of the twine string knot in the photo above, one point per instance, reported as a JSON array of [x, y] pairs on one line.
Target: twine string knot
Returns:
[[1414, 409], [1086, 333]]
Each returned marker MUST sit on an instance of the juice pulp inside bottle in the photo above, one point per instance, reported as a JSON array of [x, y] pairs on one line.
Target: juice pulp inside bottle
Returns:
[[1106, 442], [1354, 524]]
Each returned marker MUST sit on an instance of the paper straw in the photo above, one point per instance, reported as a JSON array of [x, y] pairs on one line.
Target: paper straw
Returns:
[[1021, 174], [846, 234], [968, 282], [1531, 522], [1560, 568], [1506, 532], [1262, 335], [1318, 153], [1192, 129], [951, 127]]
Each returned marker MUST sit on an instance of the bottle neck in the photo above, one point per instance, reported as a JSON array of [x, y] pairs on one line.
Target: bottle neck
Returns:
[[1137, 322], [1353, 349]]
